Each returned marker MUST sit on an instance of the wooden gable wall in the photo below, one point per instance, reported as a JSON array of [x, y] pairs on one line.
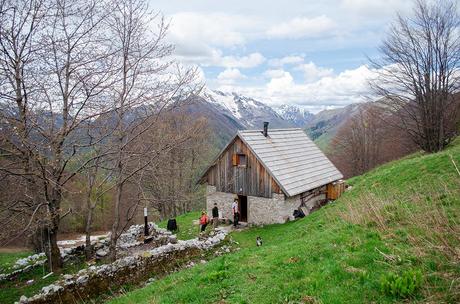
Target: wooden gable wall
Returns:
[[250, 180]]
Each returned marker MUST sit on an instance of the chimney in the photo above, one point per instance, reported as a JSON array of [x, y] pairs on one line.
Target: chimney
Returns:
[[265, 128]]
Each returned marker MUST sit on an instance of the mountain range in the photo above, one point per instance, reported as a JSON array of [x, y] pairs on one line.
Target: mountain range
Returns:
[[229, 112]]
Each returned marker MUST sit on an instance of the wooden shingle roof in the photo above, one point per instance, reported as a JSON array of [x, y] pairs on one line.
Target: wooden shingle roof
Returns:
[[291, 158]]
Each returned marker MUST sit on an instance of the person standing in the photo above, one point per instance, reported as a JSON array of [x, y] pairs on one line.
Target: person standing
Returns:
[[236, 212], [215, 216], [203, 221]]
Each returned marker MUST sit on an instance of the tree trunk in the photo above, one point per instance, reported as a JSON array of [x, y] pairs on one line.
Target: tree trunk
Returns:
[[191, 181], [55, 259], [88, 246], [89, 216], [116, 224], [112, 250], [54, 255]]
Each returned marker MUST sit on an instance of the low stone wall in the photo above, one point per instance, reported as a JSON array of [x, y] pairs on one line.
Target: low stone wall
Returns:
[[97, 280], [24, 265]]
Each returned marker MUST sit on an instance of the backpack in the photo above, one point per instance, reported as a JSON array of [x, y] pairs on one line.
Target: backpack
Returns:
[[203, 220]]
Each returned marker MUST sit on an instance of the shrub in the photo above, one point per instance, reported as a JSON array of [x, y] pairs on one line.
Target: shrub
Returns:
[[402, 286], [220, 274]]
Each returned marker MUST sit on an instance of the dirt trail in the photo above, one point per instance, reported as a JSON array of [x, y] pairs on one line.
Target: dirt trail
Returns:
[[13, 249]]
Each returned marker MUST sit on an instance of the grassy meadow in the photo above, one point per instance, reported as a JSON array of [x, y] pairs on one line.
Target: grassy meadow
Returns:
[[392, 238]]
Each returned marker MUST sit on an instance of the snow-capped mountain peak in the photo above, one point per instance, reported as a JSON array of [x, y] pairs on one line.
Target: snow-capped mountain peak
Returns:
[[298, 116], [246, 110], [225, 100]]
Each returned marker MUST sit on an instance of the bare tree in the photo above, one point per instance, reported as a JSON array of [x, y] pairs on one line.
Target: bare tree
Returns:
[[357, 144], [59, 78], [172, 190], [148, 83], [419, 71], [20, 24], [67, 68], [97, 184], [368, 139]]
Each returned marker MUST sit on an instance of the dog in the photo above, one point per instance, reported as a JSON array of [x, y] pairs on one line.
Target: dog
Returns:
[[258, 241]]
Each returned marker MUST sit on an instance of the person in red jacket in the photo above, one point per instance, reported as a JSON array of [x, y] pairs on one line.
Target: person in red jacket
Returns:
[[204, 220]]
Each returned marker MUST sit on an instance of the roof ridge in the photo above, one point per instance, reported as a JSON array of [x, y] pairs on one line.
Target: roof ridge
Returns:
[[260, 130]]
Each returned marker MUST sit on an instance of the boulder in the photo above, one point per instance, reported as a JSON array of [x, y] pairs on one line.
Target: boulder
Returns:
[[101, 253]]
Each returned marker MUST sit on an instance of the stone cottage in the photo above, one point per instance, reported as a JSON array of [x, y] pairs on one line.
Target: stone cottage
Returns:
[[272, 173]]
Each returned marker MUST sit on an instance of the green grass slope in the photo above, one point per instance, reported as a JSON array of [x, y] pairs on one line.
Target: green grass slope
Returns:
[[7, 259], [395, 237], [324, 141]]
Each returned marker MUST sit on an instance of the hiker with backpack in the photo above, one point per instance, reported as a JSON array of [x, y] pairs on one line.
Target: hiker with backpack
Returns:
[[204, 220]]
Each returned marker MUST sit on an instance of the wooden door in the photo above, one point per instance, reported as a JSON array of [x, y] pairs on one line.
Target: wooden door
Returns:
[[243, 207]]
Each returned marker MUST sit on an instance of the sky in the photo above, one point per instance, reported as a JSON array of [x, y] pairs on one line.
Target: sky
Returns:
[[313, 54]]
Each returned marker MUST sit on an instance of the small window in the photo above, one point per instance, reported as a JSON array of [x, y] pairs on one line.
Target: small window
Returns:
[[242, 160], [239, 160]]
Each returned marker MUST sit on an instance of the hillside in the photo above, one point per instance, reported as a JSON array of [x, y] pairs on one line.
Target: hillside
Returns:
[[325, 124], [397, 227]]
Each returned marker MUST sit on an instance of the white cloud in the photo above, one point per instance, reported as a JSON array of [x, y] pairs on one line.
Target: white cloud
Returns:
[[283, 80], [217, 29], [347, 87], [350, 86], [279, 62], [250, 61], [312, 72], [200, 37], [215, 58], [276, 73], [302, 27], [230, 76], [237, 38]]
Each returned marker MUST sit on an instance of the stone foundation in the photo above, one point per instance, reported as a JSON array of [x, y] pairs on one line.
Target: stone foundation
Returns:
[[261, 210], [222, 199]]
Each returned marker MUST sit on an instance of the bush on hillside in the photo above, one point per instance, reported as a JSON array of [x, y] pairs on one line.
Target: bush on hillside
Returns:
[[220, 274], [405, 285]]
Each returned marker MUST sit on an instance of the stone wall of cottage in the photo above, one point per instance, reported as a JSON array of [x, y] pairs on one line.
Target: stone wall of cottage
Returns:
[[270, 210], [261, 210], [222, 199]]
